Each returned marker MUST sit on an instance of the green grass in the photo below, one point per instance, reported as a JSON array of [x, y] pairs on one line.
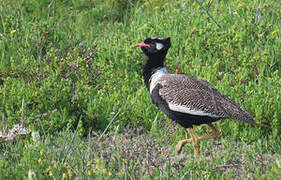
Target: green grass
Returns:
[[75, 66]]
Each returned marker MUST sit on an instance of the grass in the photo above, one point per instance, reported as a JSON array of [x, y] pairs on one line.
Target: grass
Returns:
[[74, 66], [137, 153]]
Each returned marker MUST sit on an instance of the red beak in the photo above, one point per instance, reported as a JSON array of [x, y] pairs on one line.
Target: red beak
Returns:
[[143, 45]]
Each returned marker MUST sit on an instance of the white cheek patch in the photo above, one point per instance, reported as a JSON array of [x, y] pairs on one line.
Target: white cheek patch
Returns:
[[159, 46]]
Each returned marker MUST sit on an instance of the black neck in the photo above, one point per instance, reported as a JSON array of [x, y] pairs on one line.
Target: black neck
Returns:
[[153, 63]]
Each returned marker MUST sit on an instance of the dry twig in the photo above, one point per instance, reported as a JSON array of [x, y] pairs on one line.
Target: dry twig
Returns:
[[17, 129]]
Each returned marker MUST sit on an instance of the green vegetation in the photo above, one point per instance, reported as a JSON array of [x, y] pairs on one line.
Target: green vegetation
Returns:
[[70, 70]]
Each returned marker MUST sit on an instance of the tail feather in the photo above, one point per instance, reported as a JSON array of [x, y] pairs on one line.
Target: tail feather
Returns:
[[242, 115], [235, 111]]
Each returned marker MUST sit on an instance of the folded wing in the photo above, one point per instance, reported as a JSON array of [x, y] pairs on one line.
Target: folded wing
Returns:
[[198, 97]]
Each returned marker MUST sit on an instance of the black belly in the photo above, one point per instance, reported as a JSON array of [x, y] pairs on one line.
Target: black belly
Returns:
[[184, 119]]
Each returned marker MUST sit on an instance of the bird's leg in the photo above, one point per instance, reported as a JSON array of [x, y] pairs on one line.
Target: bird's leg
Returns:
[[194, 140], [213, 134], [181, 143]]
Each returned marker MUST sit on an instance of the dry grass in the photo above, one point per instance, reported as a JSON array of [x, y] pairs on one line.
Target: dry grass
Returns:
[[140, 154]]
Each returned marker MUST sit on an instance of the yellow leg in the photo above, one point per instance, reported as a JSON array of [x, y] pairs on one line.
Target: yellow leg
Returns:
[[181, 143], [195, 139], [212, 135]]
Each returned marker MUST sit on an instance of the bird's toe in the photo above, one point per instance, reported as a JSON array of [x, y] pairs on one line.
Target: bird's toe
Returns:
[[179, 147]]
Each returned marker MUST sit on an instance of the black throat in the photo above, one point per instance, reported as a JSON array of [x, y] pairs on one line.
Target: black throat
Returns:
[[153, 63]]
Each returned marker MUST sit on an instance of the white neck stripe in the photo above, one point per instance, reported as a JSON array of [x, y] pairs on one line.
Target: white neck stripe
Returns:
[[157, 73]]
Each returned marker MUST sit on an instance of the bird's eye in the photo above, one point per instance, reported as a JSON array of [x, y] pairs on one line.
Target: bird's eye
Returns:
[[159, 46]]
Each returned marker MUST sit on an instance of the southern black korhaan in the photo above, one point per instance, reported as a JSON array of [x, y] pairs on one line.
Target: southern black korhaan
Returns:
[[185, 99]]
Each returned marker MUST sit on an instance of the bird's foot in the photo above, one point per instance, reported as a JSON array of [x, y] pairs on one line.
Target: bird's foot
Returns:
[[196, 150], [181, 143], [214, 131]]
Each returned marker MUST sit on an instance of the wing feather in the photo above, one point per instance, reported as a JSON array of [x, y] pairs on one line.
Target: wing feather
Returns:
[[197, 96]]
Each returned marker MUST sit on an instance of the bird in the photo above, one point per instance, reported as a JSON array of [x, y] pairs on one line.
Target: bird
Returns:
[[187, 100]]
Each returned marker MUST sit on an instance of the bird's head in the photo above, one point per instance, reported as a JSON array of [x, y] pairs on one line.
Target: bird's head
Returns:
[[155, 46]]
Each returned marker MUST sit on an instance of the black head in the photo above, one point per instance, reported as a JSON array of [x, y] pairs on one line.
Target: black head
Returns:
[[155, 46]]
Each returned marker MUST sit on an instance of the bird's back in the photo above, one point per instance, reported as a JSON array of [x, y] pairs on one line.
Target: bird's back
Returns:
[[189, 95]]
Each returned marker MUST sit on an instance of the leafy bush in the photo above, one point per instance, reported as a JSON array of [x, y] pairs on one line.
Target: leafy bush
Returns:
[[74, 63]]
